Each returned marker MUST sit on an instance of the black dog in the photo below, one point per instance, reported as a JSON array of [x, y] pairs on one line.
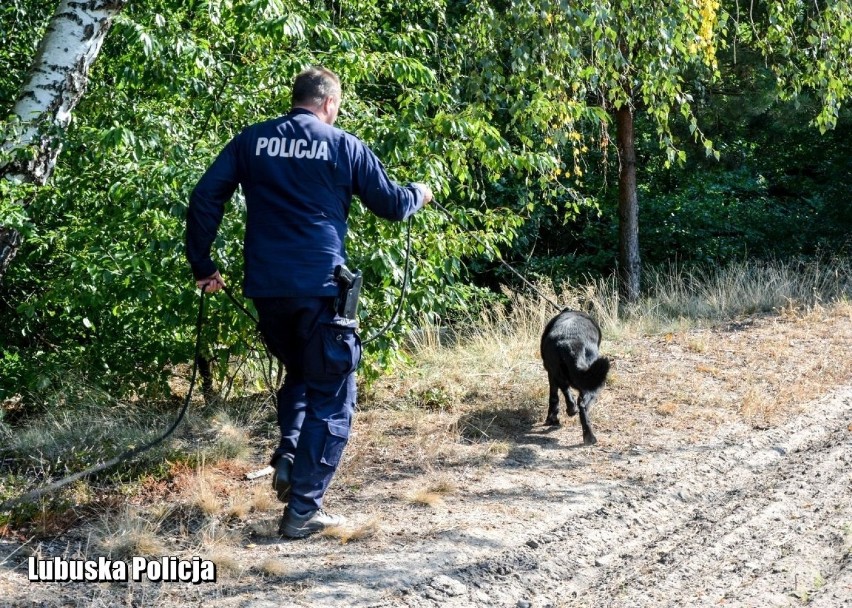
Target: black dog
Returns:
[[569, 350]]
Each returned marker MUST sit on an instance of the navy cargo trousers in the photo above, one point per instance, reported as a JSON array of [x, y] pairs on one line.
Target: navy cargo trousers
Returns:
[[320, 352]]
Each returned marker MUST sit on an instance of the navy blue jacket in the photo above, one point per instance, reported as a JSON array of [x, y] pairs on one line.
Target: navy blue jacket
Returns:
[[298, 175]]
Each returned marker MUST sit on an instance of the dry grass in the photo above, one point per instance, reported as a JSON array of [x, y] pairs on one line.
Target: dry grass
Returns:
[[425, 498], [226, 563], [750, 343], [681, 369], [129, 533], [274, 567], [349, 533], [760, 408], [232, 440], [667, 408], [205, 500], [434, 493], [443, 486], [239, 510], [263, 501]]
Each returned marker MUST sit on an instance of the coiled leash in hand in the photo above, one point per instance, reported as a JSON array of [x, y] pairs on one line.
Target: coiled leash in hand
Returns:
[[126, 456]]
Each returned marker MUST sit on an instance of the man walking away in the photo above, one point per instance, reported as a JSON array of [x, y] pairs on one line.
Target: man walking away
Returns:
[[298, 174]]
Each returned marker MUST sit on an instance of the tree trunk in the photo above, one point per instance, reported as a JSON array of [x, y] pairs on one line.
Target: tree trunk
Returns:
[[629, 269], [56, 82]]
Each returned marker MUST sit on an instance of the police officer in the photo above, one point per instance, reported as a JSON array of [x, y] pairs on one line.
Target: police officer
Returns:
[[298, 174]]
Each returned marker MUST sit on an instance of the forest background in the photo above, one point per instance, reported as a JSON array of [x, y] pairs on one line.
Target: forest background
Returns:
[[521, 115]]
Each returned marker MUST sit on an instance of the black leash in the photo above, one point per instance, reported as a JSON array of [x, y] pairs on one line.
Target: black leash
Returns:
[[37, 493], [405, 277], [239, 305], [401, 293], [501, 260], [405, 273]]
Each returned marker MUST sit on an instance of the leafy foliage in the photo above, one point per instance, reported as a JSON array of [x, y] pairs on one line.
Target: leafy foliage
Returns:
[[106, 285], [22, 24], [503, 107]]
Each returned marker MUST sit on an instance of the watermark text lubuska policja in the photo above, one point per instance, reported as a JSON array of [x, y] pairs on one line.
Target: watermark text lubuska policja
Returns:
[[166, 569]]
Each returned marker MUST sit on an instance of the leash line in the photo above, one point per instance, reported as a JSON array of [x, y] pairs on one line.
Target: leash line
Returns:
[[405, 277], [39, 492], [401, 293], [239, 305]]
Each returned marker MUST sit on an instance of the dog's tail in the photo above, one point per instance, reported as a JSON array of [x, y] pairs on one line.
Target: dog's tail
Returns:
[[593, 378]]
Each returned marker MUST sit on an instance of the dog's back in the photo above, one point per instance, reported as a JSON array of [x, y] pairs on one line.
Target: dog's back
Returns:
[[569, 350]]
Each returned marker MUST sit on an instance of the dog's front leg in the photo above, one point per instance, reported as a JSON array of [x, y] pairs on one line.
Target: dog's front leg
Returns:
[[586, 400]]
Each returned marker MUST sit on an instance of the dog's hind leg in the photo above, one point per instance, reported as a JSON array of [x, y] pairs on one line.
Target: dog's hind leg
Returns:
[[570, 401], [586, 401], [553, 404]]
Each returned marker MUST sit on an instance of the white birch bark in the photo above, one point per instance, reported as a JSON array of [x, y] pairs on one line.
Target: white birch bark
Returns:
[[55, 84]]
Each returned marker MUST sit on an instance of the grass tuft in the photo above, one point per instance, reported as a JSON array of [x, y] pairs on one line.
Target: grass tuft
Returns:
[[274, 567], [129, 533], [426, 498], [231, 441], [226, 563], [759, 408], [348, 533], [264, 501]]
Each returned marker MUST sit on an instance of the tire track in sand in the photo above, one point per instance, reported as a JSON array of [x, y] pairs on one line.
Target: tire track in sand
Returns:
[[764, 519]]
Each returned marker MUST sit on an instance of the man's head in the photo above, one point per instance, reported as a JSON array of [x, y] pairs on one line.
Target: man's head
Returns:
[[318, 90]]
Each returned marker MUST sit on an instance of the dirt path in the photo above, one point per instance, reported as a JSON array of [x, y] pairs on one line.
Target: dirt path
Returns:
[[748, 519], [658, 514], [759, 521], [751, 518]]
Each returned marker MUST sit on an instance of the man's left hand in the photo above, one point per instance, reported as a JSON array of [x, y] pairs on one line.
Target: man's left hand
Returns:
[[211, 284]]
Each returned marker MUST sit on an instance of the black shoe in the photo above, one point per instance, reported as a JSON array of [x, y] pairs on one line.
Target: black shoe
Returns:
[[281, 478], [296, 525]]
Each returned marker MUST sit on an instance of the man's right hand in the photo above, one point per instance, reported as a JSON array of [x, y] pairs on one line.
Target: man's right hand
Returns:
[[211, 284], [426, 190]]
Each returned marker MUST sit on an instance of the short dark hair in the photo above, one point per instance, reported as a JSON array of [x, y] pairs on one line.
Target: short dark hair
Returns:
[[313, 85]]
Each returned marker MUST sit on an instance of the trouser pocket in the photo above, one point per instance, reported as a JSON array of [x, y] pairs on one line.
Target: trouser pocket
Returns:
[[341, 348], [335, 441]]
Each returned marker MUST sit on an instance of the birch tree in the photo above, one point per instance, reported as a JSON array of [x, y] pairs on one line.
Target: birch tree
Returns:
[[32, 138]]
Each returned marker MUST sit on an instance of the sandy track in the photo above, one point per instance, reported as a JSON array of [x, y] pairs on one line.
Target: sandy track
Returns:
[[744, 518], [758, 519]]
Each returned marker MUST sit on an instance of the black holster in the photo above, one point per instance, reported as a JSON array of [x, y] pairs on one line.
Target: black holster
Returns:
[[349, 284]]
